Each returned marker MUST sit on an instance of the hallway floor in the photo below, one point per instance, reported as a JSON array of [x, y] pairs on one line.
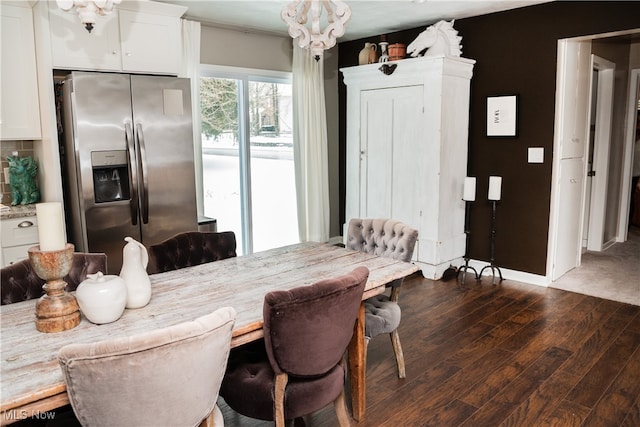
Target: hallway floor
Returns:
[[613, 274]]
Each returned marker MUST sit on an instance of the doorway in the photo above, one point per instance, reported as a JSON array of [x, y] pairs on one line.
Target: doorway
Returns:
[[568, 217]]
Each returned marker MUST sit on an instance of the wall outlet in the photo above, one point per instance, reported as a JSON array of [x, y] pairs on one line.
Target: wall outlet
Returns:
[[6, 175]]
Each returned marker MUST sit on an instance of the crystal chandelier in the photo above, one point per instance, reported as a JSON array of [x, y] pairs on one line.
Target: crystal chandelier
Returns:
[[88, 9], [295, 15]]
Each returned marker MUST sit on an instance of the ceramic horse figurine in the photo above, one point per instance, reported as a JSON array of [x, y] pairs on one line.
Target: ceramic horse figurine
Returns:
[[439, 39]]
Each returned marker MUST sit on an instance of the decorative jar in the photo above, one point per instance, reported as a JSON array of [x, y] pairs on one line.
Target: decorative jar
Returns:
[[397, 51], [102, 298]]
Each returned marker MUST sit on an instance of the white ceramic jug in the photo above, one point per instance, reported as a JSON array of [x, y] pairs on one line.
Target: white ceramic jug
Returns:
[[134, 273], [368, 54], [102, 298]]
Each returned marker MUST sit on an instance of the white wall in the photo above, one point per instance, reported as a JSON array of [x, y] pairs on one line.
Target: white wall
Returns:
[[241, 49]]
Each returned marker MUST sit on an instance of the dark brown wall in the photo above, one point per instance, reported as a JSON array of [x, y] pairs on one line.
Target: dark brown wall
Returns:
[[516, 54]]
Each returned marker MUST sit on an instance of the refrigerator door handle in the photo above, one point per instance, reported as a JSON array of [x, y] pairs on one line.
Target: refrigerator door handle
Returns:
[[143, 172], [131, 153]]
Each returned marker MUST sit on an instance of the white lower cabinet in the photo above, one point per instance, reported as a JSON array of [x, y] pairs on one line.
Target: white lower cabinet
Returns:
[[18, 235], [407, 143]]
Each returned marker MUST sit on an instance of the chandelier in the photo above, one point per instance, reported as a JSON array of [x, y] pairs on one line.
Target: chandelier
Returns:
[[296, 17], [88, 9]]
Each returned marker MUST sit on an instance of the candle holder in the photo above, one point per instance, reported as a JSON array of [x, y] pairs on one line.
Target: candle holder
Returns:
[[492, 266], [56, 310], [467, 231]]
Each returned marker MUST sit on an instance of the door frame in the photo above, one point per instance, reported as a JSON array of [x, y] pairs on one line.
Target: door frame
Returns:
[[554, 232], [627, 159]]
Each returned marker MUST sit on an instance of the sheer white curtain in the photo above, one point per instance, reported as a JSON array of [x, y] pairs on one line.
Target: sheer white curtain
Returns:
[[310, 146], [191, 69]]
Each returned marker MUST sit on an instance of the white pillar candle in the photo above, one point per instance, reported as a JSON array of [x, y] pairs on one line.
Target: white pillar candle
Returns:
[[469, 193], [495, 187], [50, 226]]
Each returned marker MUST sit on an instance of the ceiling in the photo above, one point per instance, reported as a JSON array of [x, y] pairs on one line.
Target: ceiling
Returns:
[[368, 17]]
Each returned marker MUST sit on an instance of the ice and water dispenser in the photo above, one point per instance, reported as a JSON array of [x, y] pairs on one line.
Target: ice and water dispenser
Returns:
[[110, 176]]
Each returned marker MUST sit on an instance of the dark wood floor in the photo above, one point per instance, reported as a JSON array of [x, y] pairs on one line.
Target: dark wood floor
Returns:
[[510, 354]]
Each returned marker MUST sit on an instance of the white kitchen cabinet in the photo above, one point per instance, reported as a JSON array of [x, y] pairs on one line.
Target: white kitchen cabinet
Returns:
[[137, 37], [19, 105], [73, 47], [18, 235], [150, 43], [407, 136], [573, 88]]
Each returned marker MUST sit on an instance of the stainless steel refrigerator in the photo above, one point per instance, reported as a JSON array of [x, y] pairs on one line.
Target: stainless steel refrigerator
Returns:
[[129, 160]]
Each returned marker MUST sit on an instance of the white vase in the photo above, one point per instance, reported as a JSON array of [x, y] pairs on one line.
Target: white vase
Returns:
[[384, 56], [368, 54], [101, 298], [134, 273]]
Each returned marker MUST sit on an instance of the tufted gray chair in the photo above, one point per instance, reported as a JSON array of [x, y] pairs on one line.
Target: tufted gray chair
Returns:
[[392, 239]]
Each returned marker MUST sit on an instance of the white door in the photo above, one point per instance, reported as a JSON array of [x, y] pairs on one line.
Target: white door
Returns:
[[390, 162], [570, 187], [569, 159], [602, 138]]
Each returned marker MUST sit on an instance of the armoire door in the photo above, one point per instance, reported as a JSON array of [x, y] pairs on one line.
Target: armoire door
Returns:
[[391, 154]]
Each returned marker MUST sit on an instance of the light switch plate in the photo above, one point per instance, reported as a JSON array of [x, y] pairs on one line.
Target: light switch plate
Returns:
[[536, 155]]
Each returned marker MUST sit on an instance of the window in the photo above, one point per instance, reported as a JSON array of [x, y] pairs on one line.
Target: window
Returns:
[[247, 156]]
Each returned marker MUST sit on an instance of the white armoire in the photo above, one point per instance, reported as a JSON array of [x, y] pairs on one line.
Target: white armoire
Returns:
[[406, 154]]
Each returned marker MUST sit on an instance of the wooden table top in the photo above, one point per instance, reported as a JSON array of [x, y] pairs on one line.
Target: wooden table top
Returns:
[[29, 369]]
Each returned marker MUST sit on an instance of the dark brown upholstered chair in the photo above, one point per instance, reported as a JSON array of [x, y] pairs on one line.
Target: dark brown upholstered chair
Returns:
[[162, 377], [191, 248], [299, 367], [387, 238], [20, 282]]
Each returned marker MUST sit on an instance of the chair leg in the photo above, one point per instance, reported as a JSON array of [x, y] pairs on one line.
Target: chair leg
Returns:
[[366, 349], [214, 419], [278, 399], [344, 420], [208, 422], [397, 349]]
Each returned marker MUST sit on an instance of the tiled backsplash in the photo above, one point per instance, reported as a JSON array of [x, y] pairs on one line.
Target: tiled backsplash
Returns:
[[24, 148]]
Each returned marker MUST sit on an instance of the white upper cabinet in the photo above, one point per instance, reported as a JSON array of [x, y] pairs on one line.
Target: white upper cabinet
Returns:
[[137, 37], [573, 89], [19, 105], [150, 43], [72, 46]]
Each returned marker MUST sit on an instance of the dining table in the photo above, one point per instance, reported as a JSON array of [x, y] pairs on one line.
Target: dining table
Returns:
[[31, 381]]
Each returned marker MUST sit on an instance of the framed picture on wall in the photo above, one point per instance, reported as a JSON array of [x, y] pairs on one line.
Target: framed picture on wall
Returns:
[[502, 115]]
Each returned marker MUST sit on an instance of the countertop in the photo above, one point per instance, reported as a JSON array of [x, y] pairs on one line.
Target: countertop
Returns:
[[19, 211]]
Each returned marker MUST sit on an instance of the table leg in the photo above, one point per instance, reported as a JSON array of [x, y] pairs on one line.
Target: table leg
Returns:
[[357, 367]]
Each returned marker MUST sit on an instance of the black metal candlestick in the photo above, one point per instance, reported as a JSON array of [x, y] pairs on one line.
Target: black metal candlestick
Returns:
[[492, 266], [467, 231]]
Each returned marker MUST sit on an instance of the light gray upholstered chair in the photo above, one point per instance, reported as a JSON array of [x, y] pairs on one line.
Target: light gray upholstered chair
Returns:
[[387, 238], [165, 377]]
